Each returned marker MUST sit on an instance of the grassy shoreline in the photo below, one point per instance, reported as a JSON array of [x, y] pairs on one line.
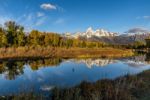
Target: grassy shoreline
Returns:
[[129, 87], [49, 52]]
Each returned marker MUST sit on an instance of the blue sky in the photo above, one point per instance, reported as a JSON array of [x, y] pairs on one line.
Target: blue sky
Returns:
[[77, 15]]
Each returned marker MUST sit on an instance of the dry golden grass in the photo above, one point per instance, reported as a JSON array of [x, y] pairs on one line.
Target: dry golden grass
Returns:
[[32, 52], [93, 52]]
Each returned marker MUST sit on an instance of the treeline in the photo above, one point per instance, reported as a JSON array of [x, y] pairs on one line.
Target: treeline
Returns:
[[135, 45], [13, 35]]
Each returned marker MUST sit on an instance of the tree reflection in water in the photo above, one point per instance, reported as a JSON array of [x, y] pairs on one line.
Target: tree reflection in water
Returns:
[[35, 65], [11, 68]]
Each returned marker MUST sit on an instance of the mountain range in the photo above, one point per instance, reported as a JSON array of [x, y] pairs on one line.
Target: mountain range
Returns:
[[109, 37]]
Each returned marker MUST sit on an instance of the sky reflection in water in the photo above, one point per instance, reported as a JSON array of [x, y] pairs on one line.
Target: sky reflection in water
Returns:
[[67, 73]]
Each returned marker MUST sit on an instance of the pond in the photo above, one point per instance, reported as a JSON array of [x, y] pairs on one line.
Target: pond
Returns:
[[41, 76]]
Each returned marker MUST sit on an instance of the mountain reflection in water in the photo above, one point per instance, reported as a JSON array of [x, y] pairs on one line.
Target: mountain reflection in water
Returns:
[[43, 75], [95, 62]]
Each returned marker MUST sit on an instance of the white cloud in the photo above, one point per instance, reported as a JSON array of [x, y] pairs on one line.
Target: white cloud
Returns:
[[48, 6], [40, 14]]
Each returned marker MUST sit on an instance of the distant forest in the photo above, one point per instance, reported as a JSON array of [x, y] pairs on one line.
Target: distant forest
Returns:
[[13, 35]]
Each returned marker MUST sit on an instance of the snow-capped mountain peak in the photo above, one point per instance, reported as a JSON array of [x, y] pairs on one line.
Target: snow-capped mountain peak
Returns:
[[97, 33], [89, 33], [89, 30]]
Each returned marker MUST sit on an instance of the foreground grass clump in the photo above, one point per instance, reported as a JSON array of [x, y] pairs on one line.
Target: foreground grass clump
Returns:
[[44, 52], [124, 88]]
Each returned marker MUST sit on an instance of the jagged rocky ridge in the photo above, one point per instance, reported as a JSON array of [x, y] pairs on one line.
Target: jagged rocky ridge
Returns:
[[108, 37]]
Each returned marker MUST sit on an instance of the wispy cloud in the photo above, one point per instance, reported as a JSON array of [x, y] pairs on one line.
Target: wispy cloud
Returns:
[[40, 21], [138, 30], [32, 19], [138, 17], [60, 8], [3, 19], [48, 6], [40, 14], [146, 17], [143, 17], [29, 20], [59, 21]]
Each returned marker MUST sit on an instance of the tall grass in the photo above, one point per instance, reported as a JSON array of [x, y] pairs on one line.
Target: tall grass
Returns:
[[123, 88], [31, 52]]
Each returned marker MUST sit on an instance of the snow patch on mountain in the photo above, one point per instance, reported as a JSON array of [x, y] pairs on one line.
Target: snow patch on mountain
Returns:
[[89, 33]]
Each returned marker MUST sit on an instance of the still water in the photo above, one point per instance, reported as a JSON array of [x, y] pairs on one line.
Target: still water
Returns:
[[41, 76]]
